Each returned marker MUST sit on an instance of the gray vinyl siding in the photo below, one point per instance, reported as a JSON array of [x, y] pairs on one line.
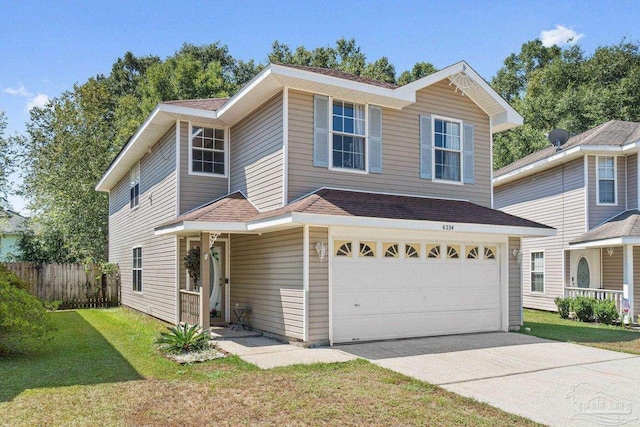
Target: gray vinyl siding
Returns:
[[632, 181], [130, 228], [256, 155], [612, 269], [600, 214], [196, 190], [555, 197], [318, 287], [636, 282], [266, 274], [400, 149], [515, 286]]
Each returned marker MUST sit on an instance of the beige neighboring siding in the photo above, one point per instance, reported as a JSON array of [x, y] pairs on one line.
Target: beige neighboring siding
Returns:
[[196, 190], [318, 287], [256, 155], [515, 286], [600, 214], [130, 228], [612, 269], [555, 197], [632, 181], [636, 281], [266, 274], [400, 149]]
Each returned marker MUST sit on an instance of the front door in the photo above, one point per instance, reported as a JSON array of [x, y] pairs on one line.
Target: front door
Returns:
[[583, 273], [217, 279]]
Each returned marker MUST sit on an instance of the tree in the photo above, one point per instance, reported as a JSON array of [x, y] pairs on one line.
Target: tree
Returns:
[[6, 162], [419, 70]]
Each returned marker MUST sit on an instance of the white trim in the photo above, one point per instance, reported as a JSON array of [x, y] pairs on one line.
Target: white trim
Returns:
[[626, 183], [285, 145], [177, 167], [615, 241], [228, 129], [330, 276], [504, 285], [638, 181], [630, 280], [615, 181], [544, 272], [305, 281], [205, 227], [491, 162], [586, 193], [227, 285], [460, 151], [226, 151]]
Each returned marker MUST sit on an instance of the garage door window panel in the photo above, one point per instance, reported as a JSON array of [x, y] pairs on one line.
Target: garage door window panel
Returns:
[[367, 249], [412, 250], [433, 251], [343, 248], [473, 252], [489, 252], [391, 250], [453, 251]]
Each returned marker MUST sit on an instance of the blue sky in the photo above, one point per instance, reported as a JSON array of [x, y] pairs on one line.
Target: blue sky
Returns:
[[47, 46]]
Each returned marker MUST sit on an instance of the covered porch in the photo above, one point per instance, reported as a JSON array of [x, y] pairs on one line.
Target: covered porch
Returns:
[[604, 263]]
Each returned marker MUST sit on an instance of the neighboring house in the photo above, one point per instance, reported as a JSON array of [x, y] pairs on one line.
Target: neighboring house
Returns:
[[336, 207], [588, 190], [11, 224]]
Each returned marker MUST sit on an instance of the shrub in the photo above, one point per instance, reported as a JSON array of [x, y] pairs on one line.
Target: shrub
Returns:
[[605, 311], [583, 307], [192, 264], [183, 339], [564, 306], [22, 316], [13, 280]]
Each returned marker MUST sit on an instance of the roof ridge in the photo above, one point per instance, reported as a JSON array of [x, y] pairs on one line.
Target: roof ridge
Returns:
[[600, 128]]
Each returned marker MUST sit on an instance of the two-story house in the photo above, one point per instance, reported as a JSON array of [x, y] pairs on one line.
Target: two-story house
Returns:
[[336, 207], [587, 189], [11, 225]]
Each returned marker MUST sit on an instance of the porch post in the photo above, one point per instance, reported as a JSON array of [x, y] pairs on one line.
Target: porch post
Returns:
[[627, 269], [204, 280]]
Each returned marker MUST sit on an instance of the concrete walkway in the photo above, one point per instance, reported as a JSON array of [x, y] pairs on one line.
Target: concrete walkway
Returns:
[[550, 382], [267, 353]]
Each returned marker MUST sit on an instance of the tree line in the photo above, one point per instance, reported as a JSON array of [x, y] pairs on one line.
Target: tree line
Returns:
[[69, 143]]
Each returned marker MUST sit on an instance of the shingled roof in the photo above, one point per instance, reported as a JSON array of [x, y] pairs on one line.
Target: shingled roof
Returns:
[[211, 104], [612, 133], [627, 224], [341, 75], [332, 202]]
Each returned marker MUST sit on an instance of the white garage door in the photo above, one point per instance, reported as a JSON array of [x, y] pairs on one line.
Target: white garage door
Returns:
[[385, 289]]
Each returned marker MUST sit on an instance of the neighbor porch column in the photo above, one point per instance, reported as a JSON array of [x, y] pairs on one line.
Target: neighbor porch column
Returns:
[[627, 268], [204, 280]]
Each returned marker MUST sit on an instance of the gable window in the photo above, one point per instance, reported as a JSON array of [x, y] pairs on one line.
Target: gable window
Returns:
[[207, 151], [134, 186], [348, 136], [447, 149], [606, 180], [137, 269], [537, 272]]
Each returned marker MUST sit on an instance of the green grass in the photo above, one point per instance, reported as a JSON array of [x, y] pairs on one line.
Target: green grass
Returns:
[[101, 369], [551, 326]]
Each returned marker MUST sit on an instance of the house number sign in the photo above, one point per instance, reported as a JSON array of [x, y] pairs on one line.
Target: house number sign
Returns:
[[447, 227]]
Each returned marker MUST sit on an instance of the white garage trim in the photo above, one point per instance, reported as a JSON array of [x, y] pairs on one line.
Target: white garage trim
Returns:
[[380, 236]]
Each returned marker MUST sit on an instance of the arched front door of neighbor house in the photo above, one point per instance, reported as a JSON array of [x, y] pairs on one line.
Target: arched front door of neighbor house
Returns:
[[583, 273]]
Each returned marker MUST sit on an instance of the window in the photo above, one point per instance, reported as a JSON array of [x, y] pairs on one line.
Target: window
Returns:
[[447, 150], [342, 248], [537, 272], [433, 251], [137, 269], [134, 187], [453, 251], [489, 252], [348, 137], [207, 150], [606, 180], [412, 250], [473, 252]]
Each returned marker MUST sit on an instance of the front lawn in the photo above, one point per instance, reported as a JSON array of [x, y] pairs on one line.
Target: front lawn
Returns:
[[101, 370], [550, 325]]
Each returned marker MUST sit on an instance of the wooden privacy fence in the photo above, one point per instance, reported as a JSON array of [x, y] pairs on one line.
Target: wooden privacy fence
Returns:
[[74, 285]]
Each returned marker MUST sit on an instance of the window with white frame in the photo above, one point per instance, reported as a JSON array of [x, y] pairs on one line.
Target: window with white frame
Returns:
[[606, 180], [537, 272], [134, 186], [348, 135], [207, 150], [137, 269], [447, 146]]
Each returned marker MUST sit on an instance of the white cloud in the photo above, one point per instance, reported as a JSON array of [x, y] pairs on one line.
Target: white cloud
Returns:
[[560, 36], [40, 100], [18, 91]]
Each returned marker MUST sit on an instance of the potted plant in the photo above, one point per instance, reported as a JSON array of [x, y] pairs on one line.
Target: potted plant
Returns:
[[192, 264]]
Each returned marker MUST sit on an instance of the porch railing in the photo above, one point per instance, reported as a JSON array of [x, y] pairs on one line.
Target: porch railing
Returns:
[[189, 307], [599, 294]]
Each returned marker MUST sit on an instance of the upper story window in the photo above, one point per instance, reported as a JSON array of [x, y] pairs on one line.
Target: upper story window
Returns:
[[348, 135], [447, 148], [537, 272], [134, 186], [606, 180], [207, 151]]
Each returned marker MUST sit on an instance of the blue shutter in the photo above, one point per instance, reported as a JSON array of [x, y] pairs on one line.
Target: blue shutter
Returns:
[[375, 139], [467, 148], [321, 131], [425, 147]]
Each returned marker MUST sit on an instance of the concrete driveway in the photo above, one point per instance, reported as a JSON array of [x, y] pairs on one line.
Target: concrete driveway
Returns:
[[550, 382]]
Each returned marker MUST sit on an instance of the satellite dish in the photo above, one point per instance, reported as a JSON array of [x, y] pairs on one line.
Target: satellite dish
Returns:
[[558, 137]]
